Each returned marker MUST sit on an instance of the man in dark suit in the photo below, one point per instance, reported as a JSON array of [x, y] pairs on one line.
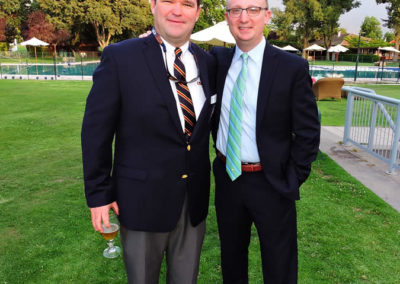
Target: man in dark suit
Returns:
[[152, 97], [267, 135]]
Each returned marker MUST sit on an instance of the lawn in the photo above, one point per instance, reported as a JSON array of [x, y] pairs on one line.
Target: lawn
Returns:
[[333, 112], [346, 233]]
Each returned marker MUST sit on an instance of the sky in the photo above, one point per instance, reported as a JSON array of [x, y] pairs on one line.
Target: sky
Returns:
[[352, 20]]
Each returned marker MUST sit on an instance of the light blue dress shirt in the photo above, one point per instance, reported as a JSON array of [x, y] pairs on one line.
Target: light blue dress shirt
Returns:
[[249, 151]]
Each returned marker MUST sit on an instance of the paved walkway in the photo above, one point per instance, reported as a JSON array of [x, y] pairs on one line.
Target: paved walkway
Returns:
[[369, 170]]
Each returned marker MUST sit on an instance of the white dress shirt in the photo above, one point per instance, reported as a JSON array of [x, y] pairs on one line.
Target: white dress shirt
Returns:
[[196, 89], [249, 151]]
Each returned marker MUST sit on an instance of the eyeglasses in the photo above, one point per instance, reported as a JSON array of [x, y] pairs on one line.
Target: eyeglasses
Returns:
[[251, 11], [176, 80]]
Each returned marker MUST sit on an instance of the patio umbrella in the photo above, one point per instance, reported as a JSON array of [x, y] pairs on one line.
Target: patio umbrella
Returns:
[[389, 48], [218, 34], [337, 49], [289, 48], [34, 42], [314, 47]]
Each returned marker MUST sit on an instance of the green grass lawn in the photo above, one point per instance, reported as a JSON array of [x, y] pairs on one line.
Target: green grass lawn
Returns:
[[346, 233], [333, 112]]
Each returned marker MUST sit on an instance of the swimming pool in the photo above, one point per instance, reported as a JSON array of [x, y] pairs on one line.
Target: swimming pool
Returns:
[[64, 69], [87, 69]]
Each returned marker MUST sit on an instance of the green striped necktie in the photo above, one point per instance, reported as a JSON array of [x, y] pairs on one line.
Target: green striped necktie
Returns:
[[233, 155]]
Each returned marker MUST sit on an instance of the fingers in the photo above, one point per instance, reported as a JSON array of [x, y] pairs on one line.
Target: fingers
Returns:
[[115, 208], [99, 216]]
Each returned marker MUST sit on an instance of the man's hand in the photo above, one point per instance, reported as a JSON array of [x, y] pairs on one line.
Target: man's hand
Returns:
[[100, 215], [145, 34]]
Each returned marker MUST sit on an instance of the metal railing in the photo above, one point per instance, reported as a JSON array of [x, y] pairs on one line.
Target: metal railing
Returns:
[[373, 124]]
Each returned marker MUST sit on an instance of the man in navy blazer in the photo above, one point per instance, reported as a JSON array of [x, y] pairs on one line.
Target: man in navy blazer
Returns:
[[278, 141], [157, 178]]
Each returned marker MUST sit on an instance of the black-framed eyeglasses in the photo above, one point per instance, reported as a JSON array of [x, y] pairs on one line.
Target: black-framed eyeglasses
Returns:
[[251, 11], [176, 80]]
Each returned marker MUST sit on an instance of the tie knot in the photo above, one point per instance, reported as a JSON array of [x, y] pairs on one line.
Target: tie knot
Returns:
[[178, 52], [245, 56]]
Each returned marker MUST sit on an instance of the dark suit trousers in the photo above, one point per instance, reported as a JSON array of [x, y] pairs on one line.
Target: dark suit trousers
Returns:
[[250, 199]]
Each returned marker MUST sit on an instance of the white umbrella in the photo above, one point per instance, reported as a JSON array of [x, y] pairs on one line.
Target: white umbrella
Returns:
[[314, 47], [290, 48], [34, 42], [276, 46], [337, 48], [389, 48], [218, 34]]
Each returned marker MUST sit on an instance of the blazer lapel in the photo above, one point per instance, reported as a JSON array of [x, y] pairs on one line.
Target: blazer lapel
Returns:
[[270, 63], [155, 62], [223, 67]]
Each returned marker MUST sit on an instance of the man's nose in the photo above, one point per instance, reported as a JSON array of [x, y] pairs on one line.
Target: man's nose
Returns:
[[244, 16], [177, 9]]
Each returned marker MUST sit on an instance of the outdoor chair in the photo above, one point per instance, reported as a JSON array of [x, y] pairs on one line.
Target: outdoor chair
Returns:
[[328, 88]]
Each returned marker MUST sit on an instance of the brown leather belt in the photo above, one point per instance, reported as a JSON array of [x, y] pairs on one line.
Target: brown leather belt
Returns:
[[246, 167]]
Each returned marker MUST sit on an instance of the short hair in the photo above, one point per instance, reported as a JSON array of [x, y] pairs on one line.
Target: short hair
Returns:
[[198, 2], [266, 2]]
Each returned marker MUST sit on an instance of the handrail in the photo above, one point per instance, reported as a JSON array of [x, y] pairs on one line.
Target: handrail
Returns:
[[373, 124]]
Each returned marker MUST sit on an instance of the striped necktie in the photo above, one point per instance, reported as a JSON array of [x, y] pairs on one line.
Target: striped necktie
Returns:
[[233, 155], [185, 99]]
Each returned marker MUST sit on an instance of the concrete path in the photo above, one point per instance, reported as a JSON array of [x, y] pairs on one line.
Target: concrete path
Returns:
[[369, 170]]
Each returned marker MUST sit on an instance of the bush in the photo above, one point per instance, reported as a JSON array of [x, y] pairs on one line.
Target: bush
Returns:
[[3, 46], [362, 57]]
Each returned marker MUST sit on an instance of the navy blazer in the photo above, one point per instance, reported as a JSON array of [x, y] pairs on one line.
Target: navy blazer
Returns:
[[287, 124], [152, 167]]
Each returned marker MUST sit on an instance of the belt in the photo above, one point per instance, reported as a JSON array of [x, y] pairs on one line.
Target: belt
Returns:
[[246, 167]]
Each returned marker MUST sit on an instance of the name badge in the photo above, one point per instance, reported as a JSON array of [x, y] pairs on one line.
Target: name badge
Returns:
[[213, 99]]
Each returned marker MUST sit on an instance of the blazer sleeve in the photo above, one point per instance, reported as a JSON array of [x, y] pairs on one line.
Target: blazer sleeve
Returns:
[[98, 130], [305, 125]]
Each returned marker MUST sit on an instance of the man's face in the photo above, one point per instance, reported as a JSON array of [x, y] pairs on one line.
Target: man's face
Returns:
[[247, 30], [174, 19]]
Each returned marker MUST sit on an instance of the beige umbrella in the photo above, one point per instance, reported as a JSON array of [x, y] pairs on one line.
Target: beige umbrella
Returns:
[[35, 42], [314, 47], [289, 48], [337, 49], [219, 34]]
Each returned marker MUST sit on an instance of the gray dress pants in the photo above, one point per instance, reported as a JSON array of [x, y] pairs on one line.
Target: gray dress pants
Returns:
[[144, 252]]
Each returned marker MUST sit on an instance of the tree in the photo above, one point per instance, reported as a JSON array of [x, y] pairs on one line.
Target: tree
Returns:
[[331, 10], [15, 13], [40, 28], [393, 20], [212, 12], [110, 17], [371, 27], [388, 36], [305, 16]]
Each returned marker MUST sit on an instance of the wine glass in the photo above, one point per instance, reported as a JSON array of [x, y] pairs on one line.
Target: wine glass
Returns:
[[109, 234]]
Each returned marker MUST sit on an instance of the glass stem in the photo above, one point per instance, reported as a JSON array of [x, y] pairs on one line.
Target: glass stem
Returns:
[[110, 244]]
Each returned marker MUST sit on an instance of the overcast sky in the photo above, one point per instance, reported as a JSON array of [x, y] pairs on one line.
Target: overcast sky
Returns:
[[352, 20]]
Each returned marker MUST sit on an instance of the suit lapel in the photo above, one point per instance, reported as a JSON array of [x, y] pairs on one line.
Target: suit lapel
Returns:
[[267, 78], [155, 63], [224, 62]]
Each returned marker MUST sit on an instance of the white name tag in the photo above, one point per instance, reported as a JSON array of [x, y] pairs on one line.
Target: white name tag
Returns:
[[213, 99]]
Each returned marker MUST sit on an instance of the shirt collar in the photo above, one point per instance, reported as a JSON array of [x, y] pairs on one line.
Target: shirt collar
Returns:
[[171, 48], [256, 54]]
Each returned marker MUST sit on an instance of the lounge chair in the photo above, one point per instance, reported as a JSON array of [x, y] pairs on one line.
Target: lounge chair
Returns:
[[328, 88]]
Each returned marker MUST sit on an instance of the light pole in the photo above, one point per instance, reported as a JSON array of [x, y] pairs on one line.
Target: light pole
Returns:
[[358, 54]]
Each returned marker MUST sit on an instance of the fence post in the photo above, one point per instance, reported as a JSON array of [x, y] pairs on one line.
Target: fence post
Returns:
[[349, 116], [395, 143], [1, 72], [55, 67], [372, 126]]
